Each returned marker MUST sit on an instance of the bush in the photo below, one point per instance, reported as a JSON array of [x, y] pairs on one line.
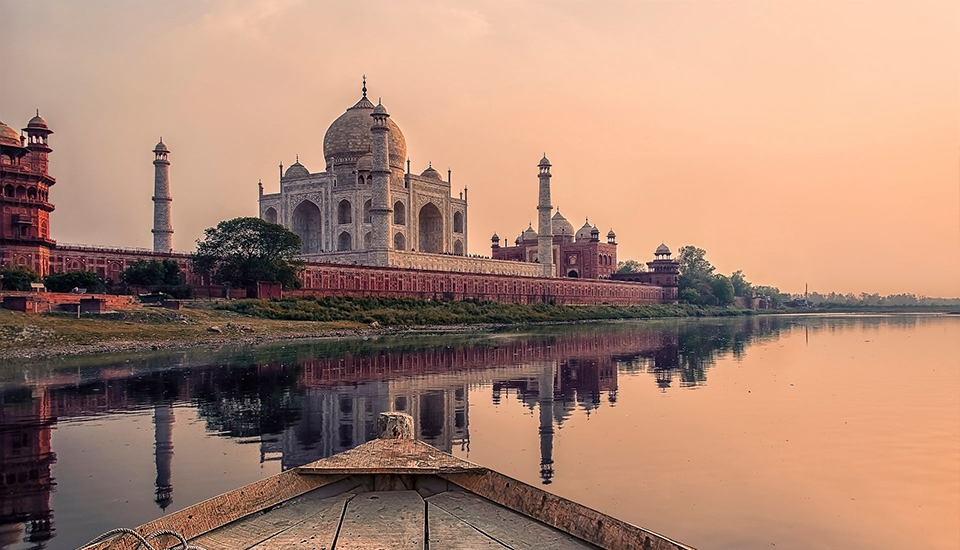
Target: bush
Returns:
[[18, 278], [67, 281]]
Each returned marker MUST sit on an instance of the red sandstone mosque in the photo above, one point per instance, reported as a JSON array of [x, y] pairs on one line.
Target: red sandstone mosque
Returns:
[[369, 226]]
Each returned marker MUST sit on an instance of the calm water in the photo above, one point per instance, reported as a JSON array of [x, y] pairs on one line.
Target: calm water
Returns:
[[799, 432]]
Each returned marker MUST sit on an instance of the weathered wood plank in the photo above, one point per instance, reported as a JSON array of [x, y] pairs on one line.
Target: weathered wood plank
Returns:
[[377, 521], [228, 507], [390, 456], [568, 516], [252, 530], [317, 532], [449, 533], [511, 529]]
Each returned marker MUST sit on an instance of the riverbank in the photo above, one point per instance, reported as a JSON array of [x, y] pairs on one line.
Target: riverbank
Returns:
[[34, 336]]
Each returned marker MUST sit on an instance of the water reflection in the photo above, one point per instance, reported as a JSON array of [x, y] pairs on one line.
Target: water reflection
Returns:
[[303, 403]]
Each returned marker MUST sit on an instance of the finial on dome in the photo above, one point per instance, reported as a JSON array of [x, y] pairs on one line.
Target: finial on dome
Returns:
[[429, 164], [364, 86], [38, 111], [298, 157]]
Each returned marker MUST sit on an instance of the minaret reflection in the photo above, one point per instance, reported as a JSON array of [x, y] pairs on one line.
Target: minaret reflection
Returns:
[[545, 402], [163, 453]]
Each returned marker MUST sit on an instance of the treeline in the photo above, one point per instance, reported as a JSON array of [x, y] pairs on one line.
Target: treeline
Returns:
[[701, 285], [876, 300]]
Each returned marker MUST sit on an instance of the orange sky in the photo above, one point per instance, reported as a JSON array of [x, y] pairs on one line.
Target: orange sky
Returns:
[[801, 141]]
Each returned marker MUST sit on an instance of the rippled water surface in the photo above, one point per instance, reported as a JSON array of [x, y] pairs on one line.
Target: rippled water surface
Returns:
[[787, 432]]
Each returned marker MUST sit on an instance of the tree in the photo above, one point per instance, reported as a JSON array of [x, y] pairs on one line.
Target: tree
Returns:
[[152, 273], [631, 266], [243, 251], [690, 296], [18, 277], [722, 289], [741, 287], [694, 263], [69, 280]]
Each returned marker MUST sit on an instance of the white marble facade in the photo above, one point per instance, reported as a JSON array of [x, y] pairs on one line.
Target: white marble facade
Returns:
[[330, 209]]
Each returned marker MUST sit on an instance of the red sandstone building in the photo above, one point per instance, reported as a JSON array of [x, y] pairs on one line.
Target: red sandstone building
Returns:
[[585, 266]]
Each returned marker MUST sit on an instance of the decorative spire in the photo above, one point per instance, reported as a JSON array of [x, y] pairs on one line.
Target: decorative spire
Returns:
[[364, 86], [298, 158], [38, 111]]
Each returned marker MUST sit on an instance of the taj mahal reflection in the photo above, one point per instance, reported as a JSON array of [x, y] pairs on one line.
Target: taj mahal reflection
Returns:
[[324, 400]]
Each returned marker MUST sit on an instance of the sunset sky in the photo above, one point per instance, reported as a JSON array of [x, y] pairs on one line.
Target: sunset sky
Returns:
[[801, 141]]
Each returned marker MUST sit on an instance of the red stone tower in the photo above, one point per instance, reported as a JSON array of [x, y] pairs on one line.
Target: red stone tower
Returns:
[[25, 201]]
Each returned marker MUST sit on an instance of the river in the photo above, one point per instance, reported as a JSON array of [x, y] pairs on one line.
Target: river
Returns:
[[812, 432]]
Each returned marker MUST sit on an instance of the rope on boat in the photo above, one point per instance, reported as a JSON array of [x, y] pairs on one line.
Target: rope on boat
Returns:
[[144, 541]]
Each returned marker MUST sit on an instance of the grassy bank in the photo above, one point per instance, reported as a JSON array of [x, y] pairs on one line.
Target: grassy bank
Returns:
[[395, 312], [30, 336]]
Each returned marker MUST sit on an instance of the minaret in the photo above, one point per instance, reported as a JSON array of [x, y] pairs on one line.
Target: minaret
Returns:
[[163, 454], [545, 227], [162, 225], [380, 206]]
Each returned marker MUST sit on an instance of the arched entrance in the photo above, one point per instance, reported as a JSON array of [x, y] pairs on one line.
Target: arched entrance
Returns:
[[399, 214], [573, 273], [458, 248], [399, 243], [344, 212], [431, 229], [457, 222], [344, 242], [306, 224]]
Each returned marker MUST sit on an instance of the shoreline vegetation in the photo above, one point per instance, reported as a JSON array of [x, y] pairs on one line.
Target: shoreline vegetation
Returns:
[[38, 336]]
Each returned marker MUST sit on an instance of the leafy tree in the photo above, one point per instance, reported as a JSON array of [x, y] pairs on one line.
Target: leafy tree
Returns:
[[741, 287], [243, 251], [67, 281], [694, 263], [18, 277], [722, 289], [152, 273], [631, 266], [689, 295]]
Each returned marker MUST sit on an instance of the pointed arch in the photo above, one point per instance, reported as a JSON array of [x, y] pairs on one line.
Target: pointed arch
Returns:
[[270, 215], [458, 222], [431, 229], [344, 242], [399, 213], [366, 211], [458, 247], [367, 240], [344, 212], [306, 224], [399, 243]]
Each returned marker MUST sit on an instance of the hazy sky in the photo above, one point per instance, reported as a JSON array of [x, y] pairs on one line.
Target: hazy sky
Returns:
[[801, 141]]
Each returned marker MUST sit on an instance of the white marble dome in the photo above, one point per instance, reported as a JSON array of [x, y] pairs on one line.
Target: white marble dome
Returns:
[[562, 226], [349, 137]]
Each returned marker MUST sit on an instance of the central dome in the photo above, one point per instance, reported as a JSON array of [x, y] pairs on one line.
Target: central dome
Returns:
[[349, 137]]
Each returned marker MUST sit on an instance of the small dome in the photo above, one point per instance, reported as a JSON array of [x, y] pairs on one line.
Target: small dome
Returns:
[[161, 147], [296, 170], [380, 110], [583, 234], [365, 163], [431, 173], [611, 234], [529, 234], [495, 237], [544, 161], [9, 136], [594, 231], [37, 122], [561, 226], [662, 249]]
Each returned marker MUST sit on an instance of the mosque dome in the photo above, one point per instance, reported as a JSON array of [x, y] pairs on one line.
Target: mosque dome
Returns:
[[431, 173], [544, 161], [365, 163], [161, 147], [561, 226], [529, 234], [662, 249], [349, 137], [9, 136], [583, 234], [37, 122], [495, 237], [611, 234], [296, 170]]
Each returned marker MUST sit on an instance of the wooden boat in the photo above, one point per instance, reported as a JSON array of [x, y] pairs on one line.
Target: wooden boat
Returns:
[[393, 493]]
